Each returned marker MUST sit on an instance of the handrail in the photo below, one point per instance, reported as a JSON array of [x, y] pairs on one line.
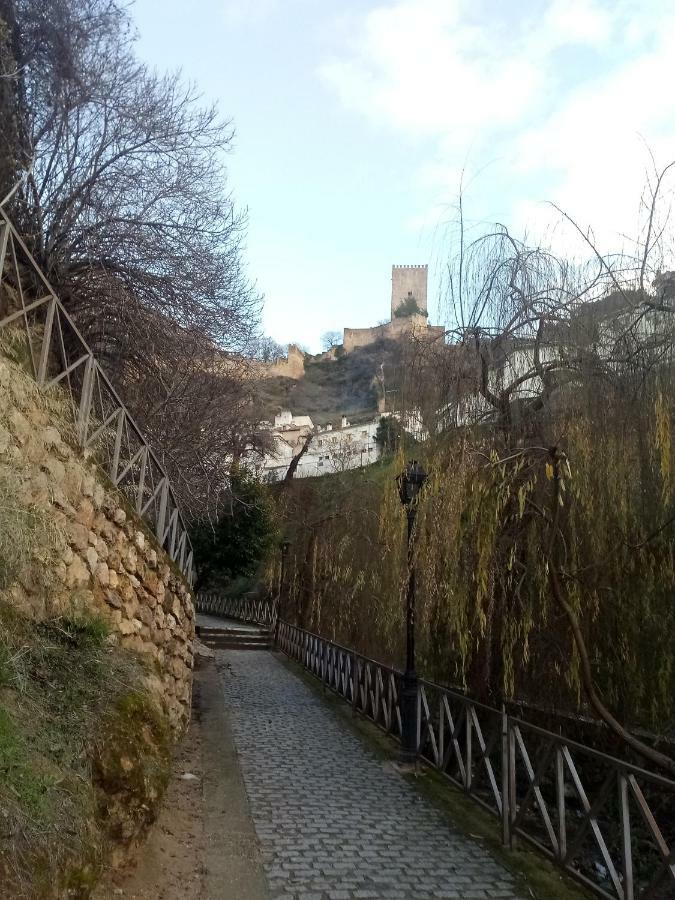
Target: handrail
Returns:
[[608, 823], [248, 609], [59, 353]]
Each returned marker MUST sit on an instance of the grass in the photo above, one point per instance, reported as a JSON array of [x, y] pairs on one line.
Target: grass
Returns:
[[84, 752], [25, 529]]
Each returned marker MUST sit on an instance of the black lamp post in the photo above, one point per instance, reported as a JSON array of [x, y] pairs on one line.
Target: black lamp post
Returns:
[[410, 483], [283, 546]]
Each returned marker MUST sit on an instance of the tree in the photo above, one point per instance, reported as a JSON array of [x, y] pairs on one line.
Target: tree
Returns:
[[330, 339], [408, 307], [125, 206], [268, 350], [389, 434], [234, 547]]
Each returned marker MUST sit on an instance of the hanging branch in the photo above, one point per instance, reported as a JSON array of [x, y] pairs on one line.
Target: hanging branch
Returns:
[[558, 592]]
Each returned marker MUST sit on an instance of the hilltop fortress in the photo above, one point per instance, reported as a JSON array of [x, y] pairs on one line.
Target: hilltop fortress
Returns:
[[408, 312], [408, 317]]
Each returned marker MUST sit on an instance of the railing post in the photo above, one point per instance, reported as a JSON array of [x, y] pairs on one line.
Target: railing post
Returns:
[[506, 806], [355, 682], [626, 848], [4, 235], [513, 803], [85, 399], [560, 797], [46, 343]]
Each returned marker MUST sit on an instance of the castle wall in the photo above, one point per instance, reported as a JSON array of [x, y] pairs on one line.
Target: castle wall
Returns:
[[417, 325], [291, 367], [408, 279]]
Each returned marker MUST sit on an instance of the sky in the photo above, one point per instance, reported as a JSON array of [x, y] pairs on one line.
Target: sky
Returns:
[[358, 122]]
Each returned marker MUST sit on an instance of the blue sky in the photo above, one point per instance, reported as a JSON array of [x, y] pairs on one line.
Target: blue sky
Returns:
[[356, 121]]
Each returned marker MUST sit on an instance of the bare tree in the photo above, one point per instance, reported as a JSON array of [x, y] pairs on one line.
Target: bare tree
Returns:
[[330, 339], [124, 204]]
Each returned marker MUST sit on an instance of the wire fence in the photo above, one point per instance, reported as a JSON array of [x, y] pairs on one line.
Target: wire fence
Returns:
[[59, 355]]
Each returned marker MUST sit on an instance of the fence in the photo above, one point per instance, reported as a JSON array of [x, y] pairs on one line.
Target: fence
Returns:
[[609, 824], [247, 609], [60, 355]]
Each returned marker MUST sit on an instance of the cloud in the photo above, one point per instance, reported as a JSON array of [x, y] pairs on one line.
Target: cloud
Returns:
[[563, 93], [249, 12]]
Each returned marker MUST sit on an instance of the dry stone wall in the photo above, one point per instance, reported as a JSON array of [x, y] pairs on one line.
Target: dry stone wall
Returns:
[[102, 560]]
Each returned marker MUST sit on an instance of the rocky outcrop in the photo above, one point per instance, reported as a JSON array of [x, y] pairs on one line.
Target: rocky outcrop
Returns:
[[101, 558]]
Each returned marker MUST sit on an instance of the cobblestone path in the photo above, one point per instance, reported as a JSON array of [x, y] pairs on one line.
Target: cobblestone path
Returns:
[[334, 822]]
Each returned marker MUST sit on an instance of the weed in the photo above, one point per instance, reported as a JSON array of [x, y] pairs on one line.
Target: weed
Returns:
[[24, 529], [68, 701]]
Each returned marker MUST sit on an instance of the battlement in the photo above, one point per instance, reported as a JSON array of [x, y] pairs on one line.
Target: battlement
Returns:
[[409, 283]]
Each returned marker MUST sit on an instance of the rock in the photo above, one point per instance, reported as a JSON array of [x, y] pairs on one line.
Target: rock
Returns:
[[67, 556], [139, 540], [5, 440], [119, 516], [101, 548], [88, 483], [51, 437], [59, 499], [112, 598], [126, 627], [77, 573], [56, 470], [102, 574], [113, 578], [151, 557], [19, 425], [85, 513], [130, 560], [92, 559], [99, 496], [79, 536]]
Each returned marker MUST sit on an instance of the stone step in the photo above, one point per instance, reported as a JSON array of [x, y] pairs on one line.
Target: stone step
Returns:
[[233, 632], [220, 644]]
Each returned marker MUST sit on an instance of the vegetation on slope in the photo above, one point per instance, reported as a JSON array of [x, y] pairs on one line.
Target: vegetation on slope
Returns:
[[349, 385], [84, 754]]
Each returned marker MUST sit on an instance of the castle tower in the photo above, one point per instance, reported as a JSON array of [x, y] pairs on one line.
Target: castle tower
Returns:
[[408, 283]]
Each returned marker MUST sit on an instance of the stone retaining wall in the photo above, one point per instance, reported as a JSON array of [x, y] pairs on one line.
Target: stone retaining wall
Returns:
[[102, 560]]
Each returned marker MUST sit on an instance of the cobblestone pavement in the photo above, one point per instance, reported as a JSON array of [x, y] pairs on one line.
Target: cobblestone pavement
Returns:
[[334, 821]]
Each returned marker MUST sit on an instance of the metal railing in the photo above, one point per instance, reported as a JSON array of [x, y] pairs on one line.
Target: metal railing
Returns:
[[59, 355], [609, 824], [247, 609]]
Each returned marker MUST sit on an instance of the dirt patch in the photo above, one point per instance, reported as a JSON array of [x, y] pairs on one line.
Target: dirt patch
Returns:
[[170, 864]]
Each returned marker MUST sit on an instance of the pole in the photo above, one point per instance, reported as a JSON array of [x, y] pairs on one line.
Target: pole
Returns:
[[409, 689], [282, 581]]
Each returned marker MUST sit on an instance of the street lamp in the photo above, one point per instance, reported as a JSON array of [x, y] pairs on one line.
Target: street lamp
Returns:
[[283, 546], [410, 483]]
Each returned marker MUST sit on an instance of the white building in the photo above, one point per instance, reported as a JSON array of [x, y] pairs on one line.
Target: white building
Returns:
[[330, 450]]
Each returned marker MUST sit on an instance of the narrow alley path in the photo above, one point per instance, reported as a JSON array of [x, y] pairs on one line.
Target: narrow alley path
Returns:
[[333, 820]]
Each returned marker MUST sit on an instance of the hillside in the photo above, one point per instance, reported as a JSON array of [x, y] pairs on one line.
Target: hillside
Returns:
[[350, 384]]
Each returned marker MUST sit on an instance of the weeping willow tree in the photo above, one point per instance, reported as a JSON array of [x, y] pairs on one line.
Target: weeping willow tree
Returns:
[[545, 537]]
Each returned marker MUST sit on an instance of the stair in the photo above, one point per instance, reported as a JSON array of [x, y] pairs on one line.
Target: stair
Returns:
[[227, 634]]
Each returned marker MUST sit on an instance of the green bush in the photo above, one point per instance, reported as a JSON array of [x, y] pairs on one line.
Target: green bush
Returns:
[[233, 548]]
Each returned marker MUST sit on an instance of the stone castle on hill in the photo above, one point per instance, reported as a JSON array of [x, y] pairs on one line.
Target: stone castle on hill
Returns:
[[408, 317], [408, 311]]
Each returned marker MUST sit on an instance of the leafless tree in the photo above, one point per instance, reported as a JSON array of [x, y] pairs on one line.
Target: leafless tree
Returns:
[[124, 204], [330, 339]]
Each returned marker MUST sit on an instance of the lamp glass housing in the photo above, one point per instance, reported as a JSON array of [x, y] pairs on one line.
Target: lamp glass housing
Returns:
[[410, 482]]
